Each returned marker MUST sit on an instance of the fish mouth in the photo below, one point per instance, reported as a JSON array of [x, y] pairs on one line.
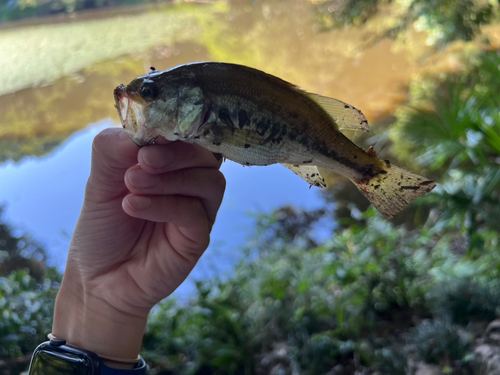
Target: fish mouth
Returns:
[[132, 116]]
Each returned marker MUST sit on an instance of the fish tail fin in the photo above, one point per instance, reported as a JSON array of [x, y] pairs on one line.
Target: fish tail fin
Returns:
[[393, 189]]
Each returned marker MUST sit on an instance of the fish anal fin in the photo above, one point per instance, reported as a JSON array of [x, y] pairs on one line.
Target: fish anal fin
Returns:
[[309, 173], [393, 189], [345, 115]]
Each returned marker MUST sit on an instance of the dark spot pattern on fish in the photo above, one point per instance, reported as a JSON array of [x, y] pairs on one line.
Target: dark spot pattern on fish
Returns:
[[225, 118], [275, 130], [217, 129], [262, 126], [293, 134], [425, 183], [277, 140], [243, 119], [409, 188], [247, 145], [304, 141], [367, 172]]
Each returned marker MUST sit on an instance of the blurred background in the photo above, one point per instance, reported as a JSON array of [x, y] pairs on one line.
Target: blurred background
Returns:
[[296, 280]]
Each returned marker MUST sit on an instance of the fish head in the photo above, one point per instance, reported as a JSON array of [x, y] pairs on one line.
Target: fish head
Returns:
[[160, 105]]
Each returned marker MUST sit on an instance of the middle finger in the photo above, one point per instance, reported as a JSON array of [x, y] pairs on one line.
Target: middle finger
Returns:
[[207, 184]]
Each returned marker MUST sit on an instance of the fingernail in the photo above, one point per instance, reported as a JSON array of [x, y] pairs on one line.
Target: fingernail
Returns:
[[138, 203]]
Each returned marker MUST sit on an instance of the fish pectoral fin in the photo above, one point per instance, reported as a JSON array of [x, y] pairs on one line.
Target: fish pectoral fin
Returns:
[[345, 115], [309, 173]]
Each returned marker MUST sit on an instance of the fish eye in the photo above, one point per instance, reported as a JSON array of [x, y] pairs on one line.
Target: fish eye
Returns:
[[149, 90]]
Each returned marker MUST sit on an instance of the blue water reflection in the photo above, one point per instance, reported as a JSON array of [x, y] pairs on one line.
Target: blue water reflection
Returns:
[[44, 197]]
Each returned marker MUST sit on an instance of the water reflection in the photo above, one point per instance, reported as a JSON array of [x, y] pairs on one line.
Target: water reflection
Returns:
[[36, 120], [275, 37]]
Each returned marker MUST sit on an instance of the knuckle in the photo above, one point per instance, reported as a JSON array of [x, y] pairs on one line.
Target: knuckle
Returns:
[[101, 140], [98, 143], [219, 180], [181, 151], [184, 177]]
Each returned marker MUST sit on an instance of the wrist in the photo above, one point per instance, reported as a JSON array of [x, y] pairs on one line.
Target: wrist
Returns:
[[90, 323]]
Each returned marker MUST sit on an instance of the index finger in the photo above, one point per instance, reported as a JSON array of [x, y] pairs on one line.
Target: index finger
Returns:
[[161, 158]]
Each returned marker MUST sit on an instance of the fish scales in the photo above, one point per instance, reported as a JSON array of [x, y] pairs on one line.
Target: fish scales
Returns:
[[313, 130], [254, 118]]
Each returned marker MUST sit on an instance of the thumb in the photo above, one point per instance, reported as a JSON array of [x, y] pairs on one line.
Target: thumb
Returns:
[[113, 152]]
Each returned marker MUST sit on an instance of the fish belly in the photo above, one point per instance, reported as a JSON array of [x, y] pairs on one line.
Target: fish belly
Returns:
[[246, 148]]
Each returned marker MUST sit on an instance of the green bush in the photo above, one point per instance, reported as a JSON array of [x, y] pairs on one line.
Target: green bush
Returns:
[[467, 301], [440, 342], [318, 307], [26, 309]]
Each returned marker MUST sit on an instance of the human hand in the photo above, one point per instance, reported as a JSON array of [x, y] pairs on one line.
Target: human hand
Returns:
[[141, 231]]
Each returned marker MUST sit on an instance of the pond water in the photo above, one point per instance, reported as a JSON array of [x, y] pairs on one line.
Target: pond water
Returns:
[[57, 80]]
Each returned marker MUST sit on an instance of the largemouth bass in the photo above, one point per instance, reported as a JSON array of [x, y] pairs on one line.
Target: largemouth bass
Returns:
[[254, 118]]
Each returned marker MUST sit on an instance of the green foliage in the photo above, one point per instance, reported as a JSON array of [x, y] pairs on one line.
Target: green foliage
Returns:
[[455, 123], [26, 308], [454, 129], [444, 21], [465, 300], [311, 309], [27, 294], [439, 340]]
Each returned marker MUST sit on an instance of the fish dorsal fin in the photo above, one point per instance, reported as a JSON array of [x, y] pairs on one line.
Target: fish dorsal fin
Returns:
[[345, 115]]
